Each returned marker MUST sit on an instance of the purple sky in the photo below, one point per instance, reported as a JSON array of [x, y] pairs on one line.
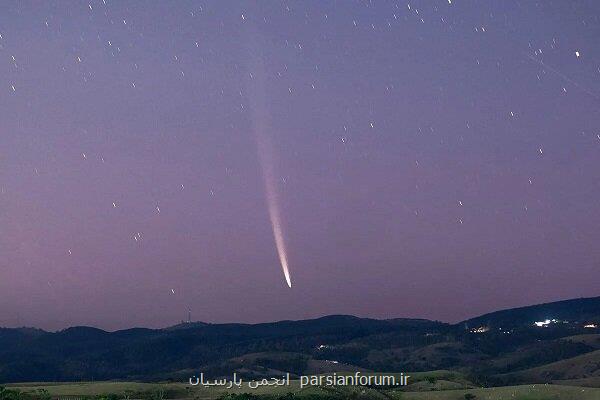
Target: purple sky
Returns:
[[432, 159]]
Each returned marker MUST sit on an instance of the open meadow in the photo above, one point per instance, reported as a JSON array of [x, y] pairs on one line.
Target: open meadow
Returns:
[[439, 390]]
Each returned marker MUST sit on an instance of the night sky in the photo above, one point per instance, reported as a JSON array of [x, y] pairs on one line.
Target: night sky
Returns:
[[434, 159]]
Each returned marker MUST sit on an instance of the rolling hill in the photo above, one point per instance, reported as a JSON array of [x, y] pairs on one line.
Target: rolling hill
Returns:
[[500, 348], [575, 311]]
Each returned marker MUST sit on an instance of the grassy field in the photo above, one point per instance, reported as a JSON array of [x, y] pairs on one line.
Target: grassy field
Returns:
[[184, 390], [524, 392], [159, 391]]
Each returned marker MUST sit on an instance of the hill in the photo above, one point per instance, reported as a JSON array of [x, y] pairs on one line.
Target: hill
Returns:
[[83, 353], [575, 311], [500, 348]]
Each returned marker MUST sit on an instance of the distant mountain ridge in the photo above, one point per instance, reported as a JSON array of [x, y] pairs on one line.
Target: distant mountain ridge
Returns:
[[585, 309]]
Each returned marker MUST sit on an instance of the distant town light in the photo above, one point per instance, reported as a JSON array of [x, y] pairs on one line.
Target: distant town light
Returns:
[[590, 326]]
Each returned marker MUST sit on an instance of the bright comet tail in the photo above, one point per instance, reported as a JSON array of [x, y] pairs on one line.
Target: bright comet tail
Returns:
[[261, 118], [273, 206]]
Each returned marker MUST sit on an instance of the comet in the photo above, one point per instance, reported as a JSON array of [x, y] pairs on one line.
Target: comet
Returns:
[[266, 154], [272, 197]]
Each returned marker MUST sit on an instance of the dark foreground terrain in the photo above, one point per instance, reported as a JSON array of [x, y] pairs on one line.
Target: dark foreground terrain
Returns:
[[556, 343]]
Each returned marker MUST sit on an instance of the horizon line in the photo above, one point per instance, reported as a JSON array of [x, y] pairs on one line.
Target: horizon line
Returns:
[[182, 322]]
